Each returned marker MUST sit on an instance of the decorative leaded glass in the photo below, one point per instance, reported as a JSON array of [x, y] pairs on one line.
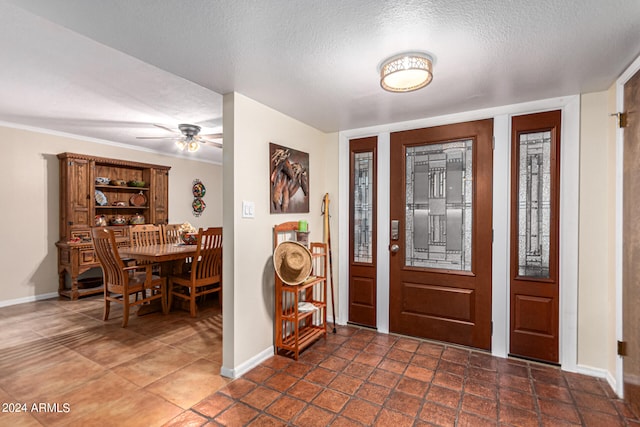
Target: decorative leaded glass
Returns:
[[534, 204], [439, 205], [362, 209]]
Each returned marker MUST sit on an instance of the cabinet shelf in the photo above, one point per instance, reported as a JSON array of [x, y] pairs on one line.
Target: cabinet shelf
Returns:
[[121, 207], [310, 282], [290, 314], [306, 336], [120, 188]]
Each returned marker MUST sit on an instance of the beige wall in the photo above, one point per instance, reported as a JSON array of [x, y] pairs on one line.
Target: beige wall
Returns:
[[30, 209], [248, 270], [596, 285]]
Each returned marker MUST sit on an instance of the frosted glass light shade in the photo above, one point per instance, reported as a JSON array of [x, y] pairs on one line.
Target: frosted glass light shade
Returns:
[[193, 146], [406, 72]]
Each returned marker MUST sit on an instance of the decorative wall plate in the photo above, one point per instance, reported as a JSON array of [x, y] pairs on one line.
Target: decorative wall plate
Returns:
[[199, 190], [198, 206], [101, 199], [138, 199]]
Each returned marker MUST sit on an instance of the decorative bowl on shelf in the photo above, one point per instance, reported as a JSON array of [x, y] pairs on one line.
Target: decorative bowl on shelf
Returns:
[[118, 220], [135, 183], [189, 238], [136, 219], [102, 180], [118, 182]]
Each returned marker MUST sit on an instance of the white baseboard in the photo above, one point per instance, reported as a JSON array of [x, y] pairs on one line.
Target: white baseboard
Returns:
[[32, 298], [245, 367], [598, 373], [593, 372]]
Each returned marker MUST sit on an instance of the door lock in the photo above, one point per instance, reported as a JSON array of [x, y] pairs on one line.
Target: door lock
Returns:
[[395, 229]]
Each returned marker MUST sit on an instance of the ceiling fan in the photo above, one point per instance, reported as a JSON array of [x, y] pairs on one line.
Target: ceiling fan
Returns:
[[190, 138]]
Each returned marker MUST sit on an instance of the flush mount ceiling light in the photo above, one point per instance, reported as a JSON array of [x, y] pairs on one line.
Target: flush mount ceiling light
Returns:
[[406, 72]]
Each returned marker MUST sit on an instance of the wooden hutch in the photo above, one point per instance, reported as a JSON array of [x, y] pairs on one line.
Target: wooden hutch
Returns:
[[79, 209]]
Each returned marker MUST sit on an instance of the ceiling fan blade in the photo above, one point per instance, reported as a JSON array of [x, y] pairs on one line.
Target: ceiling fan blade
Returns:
[[207, 142], [212, 135], [165, 128], [170, 138]]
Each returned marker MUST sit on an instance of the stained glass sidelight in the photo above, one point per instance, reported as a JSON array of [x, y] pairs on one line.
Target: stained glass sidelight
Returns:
[[439, 205], [534, 204], [362, 209]]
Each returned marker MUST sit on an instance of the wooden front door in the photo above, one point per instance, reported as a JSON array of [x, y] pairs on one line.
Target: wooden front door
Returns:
[[362, 231], [535, 213], [631, 243], [441, 233]]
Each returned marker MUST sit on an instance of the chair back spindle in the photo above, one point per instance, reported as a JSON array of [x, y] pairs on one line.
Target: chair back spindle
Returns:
[[171, 233], [145, 235]]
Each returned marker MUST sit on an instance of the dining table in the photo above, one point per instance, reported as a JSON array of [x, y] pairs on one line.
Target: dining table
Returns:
[[170, 257]]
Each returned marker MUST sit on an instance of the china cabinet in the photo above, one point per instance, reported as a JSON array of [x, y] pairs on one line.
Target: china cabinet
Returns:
[[95, 191]]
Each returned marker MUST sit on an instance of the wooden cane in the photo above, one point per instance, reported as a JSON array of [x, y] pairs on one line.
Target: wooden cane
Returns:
[[327, 240]]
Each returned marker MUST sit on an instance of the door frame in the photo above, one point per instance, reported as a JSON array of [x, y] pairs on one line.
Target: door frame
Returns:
[[622, 80], [569, 179]]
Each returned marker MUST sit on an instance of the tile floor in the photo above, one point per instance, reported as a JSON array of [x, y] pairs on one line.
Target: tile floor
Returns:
[[60, 351], [163, 370]]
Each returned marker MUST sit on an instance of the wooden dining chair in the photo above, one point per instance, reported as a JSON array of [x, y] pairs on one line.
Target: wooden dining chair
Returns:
[[120, 281], [145, 235], [205, 276], [171, 233]]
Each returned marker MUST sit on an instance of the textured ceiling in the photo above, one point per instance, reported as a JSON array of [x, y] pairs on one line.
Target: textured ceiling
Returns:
[[108, 69]]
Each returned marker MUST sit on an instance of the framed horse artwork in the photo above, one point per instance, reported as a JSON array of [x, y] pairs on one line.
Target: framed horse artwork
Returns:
[[289, 180]]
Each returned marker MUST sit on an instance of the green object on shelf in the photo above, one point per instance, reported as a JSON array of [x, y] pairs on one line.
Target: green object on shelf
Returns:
[[303, 225]]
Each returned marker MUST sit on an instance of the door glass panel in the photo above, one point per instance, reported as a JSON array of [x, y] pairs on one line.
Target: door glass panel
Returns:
[[362, 211], [534, 204], [439, 194]]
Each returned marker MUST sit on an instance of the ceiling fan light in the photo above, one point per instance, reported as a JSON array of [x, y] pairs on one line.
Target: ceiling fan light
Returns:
[[193, 146], [181, 145], [406, 72]]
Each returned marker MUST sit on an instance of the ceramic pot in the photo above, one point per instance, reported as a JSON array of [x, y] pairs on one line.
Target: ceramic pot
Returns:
[[136, 219], [189, 238], [100, 221], [118, 220]]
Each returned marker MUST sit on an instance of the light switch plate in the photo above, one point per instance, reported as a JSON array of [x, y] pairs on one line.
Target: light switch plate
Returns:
[[248, 209]]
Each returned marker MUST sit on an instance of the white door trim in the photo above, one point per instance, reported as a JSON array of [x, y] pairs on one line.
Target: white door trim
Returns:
[[570, 106], [622, 80]]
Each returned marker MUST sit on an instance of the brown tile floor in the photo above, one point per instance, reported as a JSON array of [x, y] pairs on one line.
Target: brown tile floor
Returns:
[[163, 370], [60, 351]]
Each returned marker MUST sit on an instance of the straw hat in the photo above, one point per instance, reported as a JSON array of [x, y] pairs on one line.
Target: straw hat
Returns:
[[292, 262]]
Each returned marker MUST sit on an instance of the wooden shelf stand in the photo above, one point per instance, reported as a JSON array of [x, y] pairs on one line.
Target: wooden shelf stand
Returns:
[[296, 329]]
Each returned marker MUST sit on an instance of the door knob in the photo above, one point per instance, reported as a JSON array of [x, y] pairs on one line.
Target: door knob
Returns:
[[394, 248]]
